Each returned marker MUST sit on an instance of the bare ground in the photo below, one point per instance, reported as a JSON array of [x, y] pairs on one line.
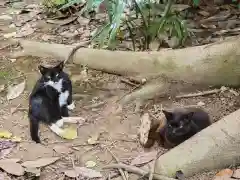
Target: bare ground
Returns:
[[94, 101]]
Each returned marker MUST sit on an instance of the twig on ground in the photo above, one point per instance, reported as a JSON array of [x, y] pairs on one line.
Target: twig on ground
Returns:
[[128, 82], [95, 105], [153, 168], [199, 94], [137, 170], [134, 88], [137, 80], [117, 160]]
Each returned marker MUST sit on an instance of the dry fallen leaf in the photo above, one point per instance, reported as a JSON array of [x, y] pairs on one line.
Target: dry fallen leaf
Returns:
[[5, 17], [82, 171], [12, 167], [62, 22], [71, 173], [144, 158], [25, 31], [16, 139], [34, 171], [94, 139], [225, 172], [5, 134], [39, 162], [223, 178], [62, 149], [236, 174], [15, 91], [144, 128], [69, 133], [9, 35], [90, 164], [234, 92]]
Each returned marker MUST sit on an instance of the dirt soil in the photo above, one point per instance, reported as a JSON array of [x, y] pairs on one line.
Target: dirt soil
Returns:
[[94, 101]]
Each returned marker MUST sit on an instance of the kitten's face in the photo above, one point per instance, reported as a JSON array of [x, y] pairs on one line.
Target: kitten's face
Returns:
[[51, 74], [178, 124]]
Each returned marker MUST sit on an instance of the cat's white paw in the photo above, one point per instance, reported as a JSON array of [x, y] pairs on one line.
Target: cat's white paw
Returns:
[[59, 123], [56, 129], [71, 106]]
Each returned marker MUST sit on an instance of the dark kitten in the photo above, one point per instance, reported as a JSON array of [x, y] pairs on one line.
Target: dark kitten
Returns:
[[59, 80], [50, 100], [183, 123], [43, 106]]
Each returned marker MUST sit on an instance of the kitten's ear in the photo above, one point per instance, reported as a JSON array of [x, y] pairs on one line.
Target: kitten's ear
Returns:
[[42, 69], [168, 115], [60, 66]]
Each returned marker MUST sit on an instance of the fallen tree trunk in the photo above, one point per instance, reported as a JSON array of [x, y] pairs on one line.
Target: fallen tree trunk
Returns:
[[215, 64], [217, 146]]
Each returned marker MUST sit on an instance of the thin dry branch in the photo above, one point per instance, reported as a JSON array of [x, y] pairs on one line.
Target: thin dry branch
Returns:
[[214, 91], [152, 169], [117, 160], [137, 170]]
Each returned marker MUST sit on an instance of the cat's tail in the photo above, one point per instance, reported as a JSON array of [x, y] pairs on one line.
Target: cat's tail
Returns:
[[34, 126]]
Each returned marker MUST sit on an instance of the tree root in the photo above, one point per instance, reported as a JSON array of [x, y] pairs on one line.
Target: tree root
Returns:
[[137, 170]]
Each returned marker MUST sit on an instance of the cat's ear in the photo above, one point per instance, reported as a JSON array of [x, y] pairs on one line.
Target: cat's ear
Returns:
[[42, 69], [60, 66], [168, 114]]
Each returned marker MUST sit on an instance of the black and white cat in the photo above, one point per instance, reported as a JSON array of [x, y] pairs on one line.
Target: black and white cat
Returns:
[[50, 100]]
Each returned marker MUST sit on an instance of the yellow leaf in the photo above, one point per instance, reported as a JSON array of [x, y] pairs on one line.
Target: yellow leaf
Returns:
[[69, 133], [5, 134], [90, 164]]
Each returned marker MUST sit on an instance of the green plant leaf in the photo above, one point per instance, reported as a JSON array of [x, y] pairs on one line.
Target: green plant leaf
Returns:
[[59, 2], [196, 2], [117, 20]]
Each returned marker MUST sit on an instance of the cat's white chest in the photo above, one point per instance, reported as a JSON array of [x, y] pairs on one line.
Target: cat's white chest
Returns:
[[56, 85], [63, 95], [63, 98]]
